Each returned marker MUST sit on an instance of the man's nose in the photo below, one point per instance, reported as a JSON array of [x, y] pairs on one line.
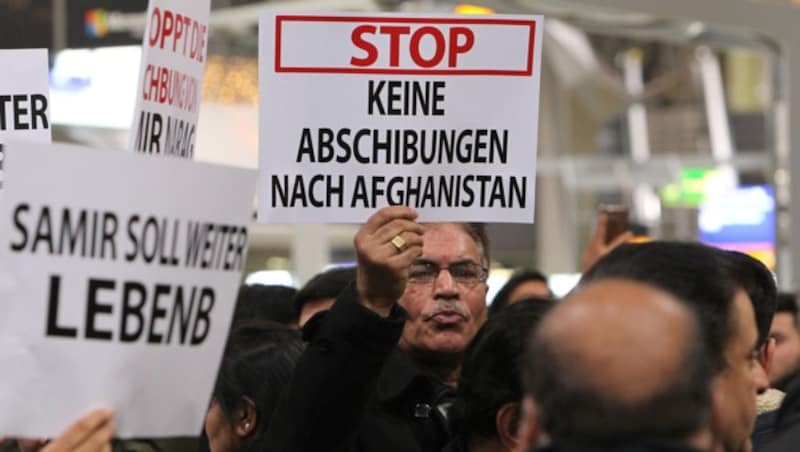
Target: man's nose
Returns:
[[444, 285]]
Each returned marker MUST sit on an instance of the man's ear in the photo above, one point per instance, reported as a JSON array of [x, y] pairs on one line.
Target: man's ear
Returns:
[[529, 430], [246, 418], [767, 355], [507, 425]]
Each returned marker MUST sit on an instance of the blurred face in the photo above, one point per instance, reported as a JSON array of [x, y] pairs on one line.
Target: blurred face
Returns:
[[743, 378], [786, 361], [219, 430], [446, 310], [529, 289]]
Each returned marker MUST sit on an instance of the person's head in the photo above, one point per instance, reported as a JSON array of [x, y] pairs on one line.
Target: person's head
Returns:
[[445, 295], [487, 408], [711, 282], [522, 284], [256, 367], [786, 332], [263, 302], [319, 293], [759, 283], [619, 361]]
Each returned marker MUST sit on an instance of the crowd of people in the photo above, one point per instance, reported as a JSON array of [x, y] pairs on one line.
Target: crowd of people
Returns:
[[662, 346]]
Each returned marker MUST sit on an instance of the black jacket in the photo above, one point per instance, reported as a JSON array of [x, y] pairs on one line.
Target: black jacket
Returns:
[[354, 391], [639, 446]]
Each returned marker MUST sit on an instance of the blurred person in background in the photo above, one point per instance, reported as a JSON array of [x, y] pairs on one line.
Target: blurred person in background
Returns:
[[266, 302], [256, 367], [522, 284], [487, 410], [319, 293], [786, 332]]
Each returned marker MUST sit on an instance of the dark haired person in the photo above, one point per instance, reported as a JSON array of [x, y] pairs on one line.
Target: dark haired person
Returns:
[[786, 332], [723, 288], [319, 293], [266, 302], [637, 377], [488, 401], [256, 367], [382, 365], [522, 284]]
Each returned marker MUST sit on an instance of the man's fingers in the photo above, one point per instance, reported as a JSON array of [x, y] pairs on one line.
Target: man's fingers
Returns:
[[619, 240], [82, 428], [390, 230], [599, 236], [408, 240], [99, 440], [401, 261], [386, 215]]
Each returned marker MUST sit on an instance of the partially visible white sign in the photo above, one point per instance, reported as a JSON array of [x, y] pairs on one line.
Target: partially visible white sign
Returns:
[[118, 275], [171, 78], [439, 113], [24, 94]]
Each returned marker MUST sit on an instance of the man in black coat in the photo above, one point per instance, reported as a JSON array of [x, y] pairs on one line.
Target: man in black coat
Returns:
[[382, 365]]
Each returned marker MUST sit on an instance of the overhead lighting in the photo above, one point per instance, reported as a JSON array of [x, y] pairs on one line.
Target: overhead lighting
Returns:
[[468, 9]]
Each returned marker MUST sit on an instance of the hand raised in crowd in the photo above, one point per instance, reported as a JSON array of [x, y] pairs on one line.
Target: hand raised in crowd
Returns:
[[386, 245], [91, 433], [597, 246]]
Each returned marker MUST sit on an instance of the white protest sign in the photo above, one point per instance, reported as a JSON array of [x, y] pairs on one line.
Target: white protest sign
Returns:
[[118, 275], [24, 92], [358, 112], [171, 77]]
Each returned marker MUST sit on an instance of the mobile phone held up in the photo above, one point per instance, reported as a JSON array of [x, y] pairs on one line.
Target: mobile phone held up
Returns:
[[617, 220]]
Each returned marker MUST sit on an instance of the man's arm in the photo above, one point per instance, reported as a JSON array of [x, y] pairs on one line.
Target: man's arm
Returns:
[[348, 345]]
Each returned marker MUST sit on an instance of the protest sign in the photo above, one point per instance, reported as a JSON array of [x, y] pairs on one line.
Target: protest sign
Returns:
[[118, 275], [171, 78], [24, 93], [359, 112]]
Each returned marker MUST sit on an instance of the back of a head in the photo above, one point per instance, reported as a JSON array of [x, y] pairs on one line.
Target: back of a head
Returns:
[[502, 298], [491, 372], [619, 361], [327, 284], [265, 302], [787, 302], [692, 272], [258, 363]]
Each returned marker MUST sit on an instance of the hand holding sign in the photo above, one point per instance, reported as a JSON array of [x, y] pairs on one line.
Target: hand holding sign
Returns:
[[91, 433], [386, 246]]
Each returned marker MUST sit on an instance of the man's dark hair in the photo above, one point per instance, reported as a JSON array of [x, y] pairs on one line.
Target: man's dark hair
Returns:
[[491, 372], [501, 298], [757, 280], [572, 409], [700, 275], [327, 284], [787, 302], [262, 302], [258, 363]]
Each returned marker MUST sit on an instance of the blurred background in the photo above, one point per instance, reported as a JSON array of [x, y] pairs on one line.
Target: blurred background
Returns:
[[679, 109]]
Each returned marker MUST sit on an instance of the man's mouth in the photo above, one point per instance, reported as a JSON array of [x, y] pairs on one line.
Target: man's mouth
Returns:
[[447, 318]]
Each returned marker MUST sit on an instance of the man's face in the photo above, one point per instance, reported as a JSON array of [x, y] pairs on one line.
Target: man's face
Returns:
[[786, 360], [444, 314], [739, 383]]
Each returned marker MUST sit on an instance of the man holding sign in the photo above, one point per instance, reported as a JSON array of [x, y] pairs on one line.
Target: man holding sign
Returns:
[[356, 386]]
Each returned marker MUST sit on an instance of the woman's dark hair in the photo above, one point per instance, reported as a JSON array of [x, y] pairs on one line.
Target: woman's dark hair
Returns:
[[501, 299], [258, 364]]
